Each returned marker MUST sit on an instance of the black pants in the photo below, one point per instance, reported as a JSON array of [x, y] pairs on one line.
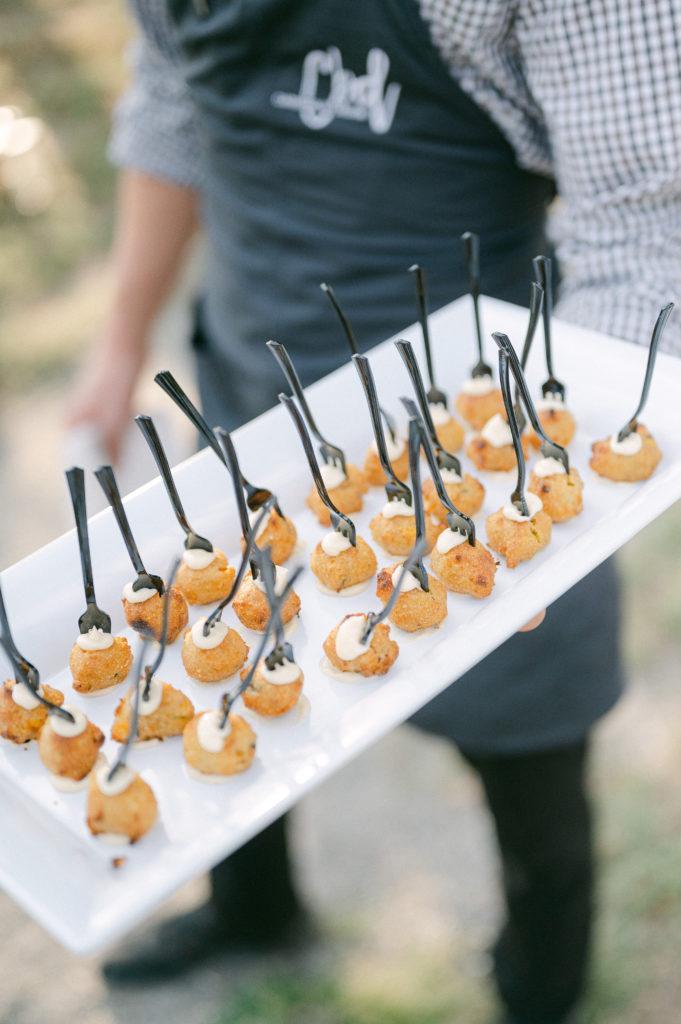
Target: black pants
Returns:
[[542, 818], [543, 824]]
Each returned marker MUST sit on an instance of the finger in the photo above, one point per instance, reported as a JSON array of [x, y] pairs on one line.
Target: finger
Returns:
[[533, 623]]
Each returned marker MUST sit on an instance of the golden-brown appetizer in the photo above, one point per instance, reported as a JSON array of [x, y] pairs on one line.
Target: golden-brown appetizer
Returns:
[[345, 490], [560, 492], [466, 492], [415, 608], [449, 431], [204, 576], [273, 691], [374, 473], [163, 712], [479, 400], [99, 661], [69, 750], [209, 659], [278, 533], [22, 716], [123, 807], [492, 449], [635, 458], [250, 603], [347, 653], [143, 609], [557, 422], [518, 538], [338, 565], [464, 568], [212, 749], [394, 528]]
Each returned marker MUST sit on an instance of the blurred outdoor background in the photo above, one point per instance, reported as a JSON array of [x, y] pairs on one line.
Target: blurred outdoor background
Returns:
[[61, 68]]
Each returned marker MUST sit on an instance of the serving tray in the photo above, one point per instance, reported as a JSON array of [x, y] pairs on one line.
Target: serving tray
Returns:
[[48, 861]]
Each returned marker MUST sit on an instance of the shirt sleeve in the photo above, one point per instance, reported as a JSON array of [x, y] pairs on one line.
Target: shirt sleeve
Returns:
[[592, 94], [154, 124]]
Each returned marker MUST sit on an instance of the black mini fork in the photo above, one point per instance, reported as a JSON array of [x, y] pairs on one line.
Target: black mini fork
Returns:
[[631, 424], [93, 617], [395, 489], [445, 459], [331, 454], [144, 581]]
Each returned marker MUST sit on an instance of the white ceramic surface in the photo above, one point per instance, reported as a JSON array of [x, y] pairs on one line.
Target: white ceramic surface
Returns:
[[49, 862]]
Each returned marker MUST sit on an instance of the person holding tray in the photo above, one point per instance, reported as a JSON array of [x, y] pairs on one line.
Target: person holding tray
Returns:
[[312, 145]]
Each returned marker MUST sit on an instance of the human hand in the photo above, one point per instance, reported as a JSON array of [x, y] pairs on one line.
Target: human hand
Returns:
[[535, 621], [103, 393]]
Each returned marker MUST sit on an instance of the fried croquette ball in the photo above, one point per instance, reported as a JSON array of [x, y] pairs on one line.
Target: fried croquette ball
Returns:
[[519, 539], [210, 750], [399, 460], [278, 534], [224, 652], [467, 495], [350, 566], [558, 424], [165, 713], [449, 431], [415, 608], [147, 616], [21, 715], [493, 458], [346, 493], [68, 753], [129, 812], [345, 651], [463, 568], [274, 691], [621, 466], [396, 534], [476, 410], [250, 603], [560, 492], [204, 583], [99, 669]]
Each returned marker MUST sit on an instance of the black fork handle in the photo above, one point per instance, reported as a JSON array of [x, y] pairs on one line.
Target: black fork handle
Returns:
[[417, 496], [544, 277], [363, 368], [471, 246], [75, 478], [229, 457], [150, 433], [406, 350], [107, 481], [422, 302], [518, 496]]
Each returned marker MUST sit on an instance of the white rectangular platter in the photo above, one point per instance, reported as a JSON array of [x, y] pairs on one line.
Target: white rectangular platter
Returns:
[[48, 861]]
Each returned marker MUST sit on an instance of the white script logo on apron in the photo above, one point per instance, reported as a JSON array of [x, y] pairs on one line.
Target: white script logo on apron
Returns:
[[344, 94]]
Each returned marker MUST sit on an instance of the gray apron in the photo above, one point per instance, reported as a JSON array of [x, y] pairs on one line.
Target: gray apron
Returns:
[[337, 146]]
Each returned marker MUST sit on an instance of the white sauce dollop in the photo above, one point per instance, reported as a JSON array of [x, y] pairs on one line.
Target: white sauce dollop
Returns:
[[209, 734], [631, 445], [394, 448], [24, 696], [478, 385], [121, 781], [94, 640], [409, 583], [497, 431], [332, 475], [197, 558], [280, 675], [348, 646], [68, 730], [280, 580], [450, 476], [397, 507], [534, 505], [138, 596], [449, 539], [147, 707], [215, 637], [549, 467], [439, 414], [334, 543], [550, 402]]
